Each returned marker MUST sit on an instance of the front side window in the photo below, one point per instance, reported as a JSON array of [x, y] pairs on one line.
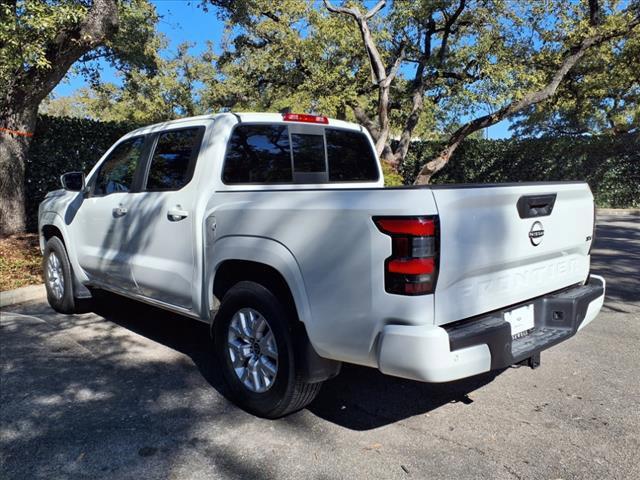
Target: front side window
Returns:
[[258, 154], [117, 171], [173, 159]]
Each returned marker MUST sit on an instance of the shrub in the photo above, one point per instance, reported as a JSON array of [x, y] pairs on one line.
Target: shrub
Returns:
[[611, 165], [63, 145]]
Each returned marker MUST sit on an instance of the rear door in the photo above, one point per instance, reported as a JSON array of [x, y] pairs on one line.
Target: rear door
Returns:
[[162, 219], [501, 245]]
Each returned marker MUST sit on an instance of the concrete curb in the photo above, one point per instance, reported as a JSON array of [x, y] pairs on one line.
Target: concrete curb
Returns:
[[618, 211], [21, 295]]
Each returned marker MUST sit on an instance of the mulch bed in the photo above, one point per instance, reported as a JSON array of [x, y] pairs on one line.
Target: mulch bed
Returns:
[[20, 261]]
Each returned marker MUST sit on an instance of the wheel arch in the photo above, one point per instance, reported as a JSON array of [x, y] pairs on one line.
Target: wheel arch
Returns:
[[257, 259], [50, 225], [271, 264]]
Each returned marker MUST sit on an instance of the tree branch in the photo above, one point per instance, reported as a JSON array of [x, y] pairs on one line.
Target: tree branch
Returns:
[[396, 65], [376, 8], [378, 69], [365, 120], [68, 46], [375, 59], [450, 21], [572, 57]]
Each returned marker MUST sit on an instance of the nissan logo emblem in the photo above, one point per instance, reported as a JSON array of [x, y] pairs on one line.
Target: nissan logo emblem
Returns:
[[536, 233]]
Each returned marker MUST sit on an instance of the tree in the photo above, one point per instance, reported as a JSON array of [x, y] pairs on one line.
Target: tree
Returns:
[[601, 95], [435, 62], [581, 34], [292, 55], [172, 90], [39, 43]]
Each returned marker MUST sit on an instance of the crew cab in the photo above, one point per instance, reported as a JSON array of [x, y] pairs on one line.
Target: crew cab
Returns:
[[276, 230]]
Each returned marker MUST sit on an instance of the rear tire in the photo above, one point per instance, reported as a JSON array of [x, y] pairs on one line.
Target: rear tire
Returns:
[[254, 342], [58, 278]]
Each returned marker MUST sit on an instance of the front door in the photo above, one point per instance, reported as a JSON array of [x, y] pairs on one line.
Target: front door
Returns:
[[103, 221]]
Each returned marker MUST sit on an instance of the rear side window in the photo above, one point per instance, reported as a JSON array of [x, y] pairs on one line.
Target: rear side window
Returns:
[[117, 171], [258, 154], [174, 158], [350, 157]]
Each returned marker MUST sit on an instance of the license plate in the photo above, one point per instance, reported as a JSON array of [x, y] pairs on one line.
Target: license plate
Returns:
[[521, 320]]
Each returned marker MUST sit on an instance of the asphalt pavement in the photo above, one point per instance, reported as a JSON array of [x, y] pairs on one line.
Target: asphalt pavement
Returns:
[[129, 392]]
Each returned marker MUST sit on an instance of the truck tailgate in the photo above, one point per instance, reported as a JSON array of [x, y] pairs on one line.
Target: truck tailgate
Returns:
[[494, 253]]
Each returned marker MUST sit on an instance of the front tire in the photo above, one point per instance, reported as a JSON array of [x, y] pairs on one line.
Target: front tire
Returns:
[[58, 277], [254, 342]]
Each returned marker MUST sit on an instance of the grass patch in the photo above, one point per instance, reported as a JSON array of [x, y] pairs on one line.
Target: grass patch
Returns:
[[20, 261]]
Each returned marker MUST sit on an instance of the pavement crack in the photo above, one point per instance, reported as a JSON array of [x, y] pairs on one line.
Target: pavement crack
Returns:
[[512, 472]]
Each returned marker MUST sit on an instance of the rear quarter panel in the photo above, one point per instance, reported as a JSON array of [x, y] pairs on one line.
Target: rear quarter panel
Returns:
[[340, 254]]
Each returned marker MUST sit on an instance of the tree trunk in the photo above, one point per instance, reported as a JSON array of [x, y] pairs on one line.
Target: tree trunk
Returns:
[[19, 103], [15, 137]]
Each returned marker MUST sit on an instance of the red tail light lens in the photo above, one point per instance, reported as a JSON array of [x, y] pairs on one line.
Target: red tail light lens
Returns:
[[306, 118], [417, 226], [412, 268]]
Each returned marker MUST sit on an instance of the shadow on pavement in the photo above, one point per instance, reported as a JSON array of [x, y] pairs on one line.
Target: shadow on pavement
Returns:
[[616, 256], [359, 398]]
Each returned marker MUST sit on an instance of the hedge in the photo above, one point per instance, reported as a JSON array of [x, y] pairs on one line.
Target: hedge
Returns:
[[63, 145], [611, 165]]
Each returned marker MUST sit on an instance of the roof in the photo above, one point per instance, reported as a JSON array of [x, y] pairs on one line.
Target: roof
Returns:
[[252, 117]]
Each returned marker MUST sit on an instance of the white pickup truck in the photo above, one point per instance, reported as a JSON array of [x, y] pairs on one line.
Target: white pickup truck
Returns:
[[277, 230]]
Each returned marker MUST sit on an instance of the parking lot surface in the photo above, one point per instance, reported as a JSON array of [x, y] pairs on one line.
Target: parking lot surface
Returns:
[[129, 391]]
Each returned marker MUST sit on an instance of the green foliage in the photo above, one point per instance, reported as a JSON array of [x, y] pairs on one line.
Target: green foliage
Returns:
[[63, 145], [30, 31], [28, 27], [610, 164], [391, 177], [173, 90], [600, 95], [286, 54]]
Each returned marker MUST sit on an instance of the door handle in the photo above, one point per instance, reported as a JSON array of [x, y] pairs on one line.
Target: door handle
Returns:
[[175, 215], [119, 211], [531, 206]]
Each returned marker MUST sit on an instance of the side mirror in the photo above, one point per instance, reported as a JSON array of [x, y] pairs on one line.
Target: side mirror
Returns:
[[73, 181]]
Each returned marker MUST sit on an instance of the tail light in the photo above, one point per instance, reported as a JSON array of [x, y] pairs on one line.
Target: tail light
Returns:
[[412, 268]]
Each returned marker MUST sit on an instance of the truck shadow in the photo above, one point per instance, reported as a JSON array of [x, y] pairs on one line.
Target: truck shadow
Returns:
[[360, 398]]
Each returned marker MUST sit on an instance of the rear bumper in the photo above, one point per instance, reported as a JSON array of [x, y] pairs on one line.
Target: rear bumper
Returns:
[[484, 343]]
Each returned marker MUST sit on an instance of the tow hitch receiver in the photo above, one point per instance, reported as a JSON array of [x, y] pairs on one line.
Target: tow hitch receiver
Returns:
[[533, 361]]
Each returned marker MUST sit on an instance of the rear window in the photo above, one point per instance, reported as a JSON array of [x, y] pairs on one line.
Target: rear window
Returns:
[[265, 154], [308, 153]]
